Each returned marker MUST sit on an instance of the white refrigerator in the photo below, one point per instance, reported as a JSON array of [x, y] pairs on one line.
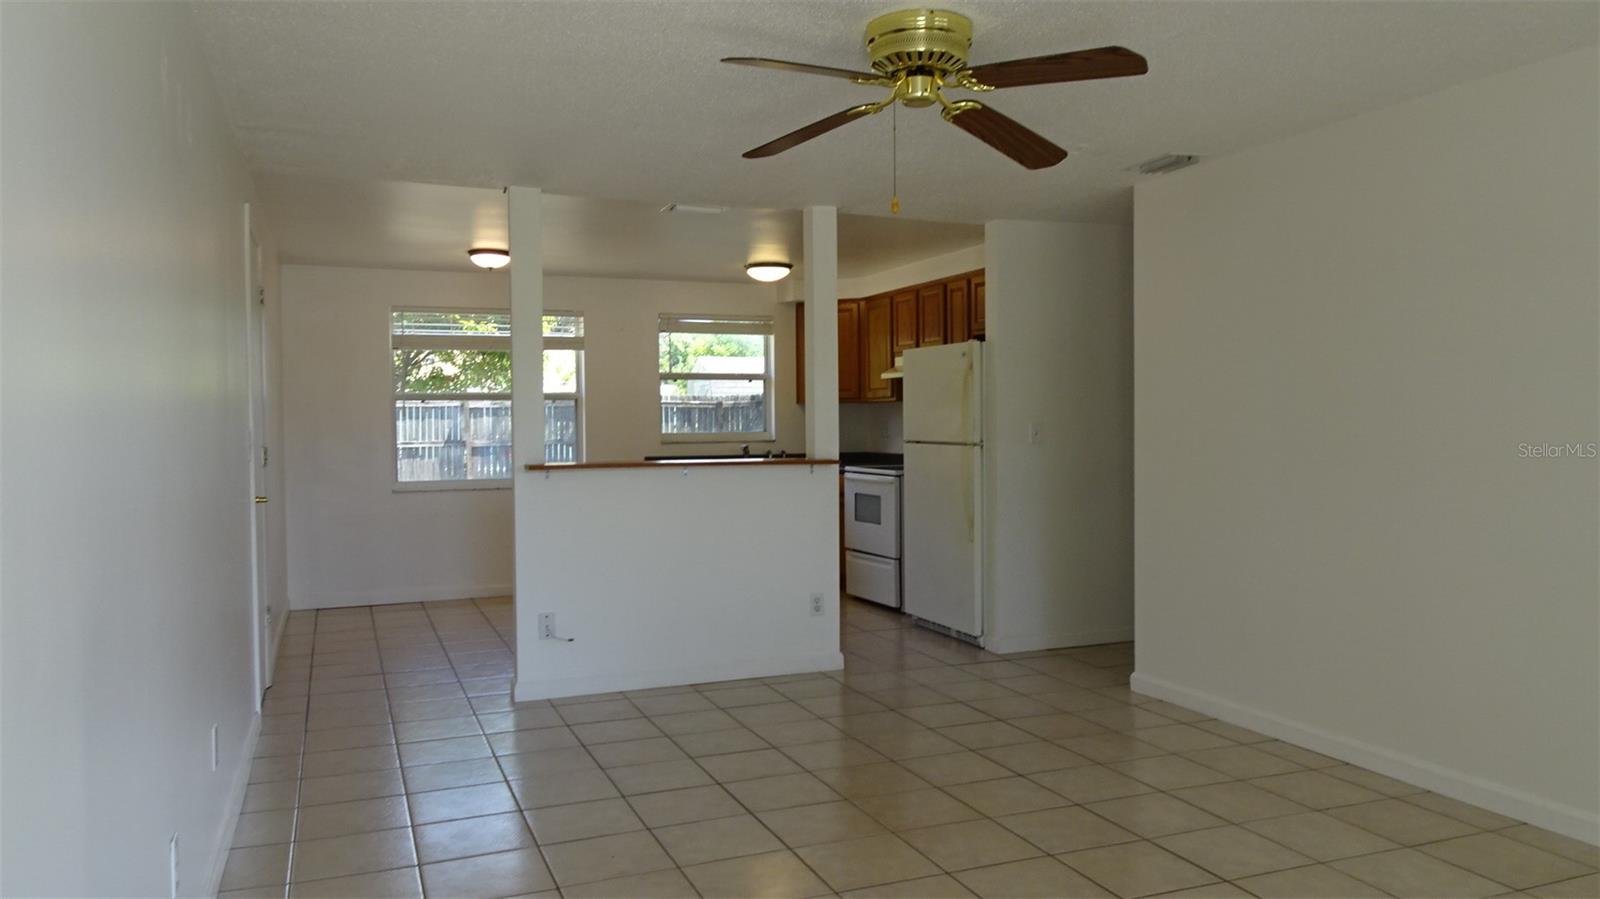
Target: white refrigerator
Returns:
[[942, 491]]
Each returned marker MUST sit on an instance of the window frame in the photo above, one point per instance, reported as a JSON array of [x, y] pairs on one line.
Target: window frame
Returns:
[[490, 343], [579, 443], [762, 326]]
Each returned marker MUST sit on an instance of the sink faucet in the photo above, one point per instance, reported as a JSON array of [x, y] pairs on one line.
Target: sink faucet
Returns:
[[746, 449]]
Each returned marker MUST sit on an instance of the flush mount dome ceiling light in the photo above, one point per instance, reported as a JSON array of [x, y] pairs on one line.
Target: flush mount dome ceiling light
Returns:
[[489, 258], [768, 271]]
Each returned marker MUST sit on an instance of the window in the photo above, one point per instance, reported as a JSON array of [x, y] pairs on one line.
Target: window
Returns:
[[563, 387], [716, 378], [452, 384]]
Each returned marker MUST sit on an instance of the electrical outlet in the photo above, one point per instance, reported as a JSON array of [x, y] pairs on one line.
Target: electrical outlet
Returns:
[[172, 864], [816, 605], [213, 747], [547, 625]]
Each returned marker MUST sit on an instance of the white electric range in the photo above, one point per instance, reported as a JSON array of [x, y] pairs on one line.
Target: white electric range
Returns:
[[872, 545]]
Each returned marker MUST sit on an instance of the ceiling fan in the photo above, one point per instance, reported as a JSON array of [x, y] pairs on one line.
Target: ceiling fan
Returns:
[[919, 53]]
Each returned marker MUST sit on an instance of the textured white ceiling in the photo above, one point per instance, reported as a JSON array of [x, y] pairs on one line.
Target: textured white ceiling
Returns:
[[391, 224], [626, 100]]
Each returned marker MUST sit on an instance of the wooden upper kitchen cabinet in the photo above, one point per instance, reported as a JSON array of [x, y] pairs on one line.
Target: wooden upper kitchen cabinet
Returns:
[[932, 314], [977, 283], [854, 342], [875, 330], [903, 311], [851, 383], [800, 353], [877, 350], [958, 299]]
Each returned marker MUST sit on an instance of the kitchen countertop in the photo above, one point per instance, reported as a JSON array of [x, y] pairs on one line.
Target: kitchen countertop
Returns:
[[676, 463]]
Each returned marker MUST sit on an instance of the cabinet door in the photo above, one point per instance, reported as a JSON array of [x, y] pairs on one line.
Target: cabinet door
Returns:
[[800, 353], [877, 350], [977, 282], [960, 302], [931, 315], [903, 308], [849, 351]]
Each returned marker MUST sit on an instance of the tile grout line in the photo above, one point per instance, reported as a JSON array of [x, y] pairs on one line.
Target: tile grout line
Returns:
[[394, 731], [887, 668], [624, 796], [300, 765], [505, 780]]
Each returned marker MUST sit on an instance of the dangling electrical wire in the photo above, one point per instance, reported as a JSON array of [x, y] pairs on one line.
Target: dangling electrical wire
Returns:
[[894, 159]]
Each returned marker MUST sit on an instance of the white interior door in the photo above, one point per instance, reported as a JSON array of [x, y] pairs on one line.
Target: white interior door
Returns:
[[943, 518], [261, 630]]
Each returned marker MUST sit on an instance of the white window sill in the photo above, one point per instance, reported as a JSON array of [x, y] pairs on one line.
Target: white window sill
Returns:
[[438, 486]]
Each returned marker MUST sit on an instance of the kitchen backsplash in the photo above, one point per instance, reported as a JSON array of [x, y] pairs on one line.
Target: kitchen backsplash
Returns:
[[871, 428]]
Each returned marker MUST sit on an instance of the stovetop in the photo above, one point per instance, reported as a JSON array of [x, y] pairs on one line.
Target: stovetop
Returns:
[[872, 460], [895, 470]]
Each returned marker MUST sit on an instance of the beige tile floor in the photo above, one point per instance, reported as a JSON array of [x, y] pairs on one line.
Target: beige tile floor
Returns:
[[392, 762]]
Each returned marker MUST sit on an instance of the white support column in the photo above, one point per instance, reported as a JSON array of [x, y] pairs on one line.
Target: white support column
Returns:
[[820, 232], [527, 398]]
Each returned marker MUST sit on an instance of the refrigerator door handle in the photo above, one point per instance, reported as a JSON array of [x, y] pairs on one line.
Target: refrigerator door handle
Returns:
[[966, 396], [966, 493]]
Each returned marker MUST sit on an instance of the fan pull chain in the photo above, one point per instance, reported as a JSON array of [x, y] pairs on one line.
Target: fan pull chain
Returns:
[[894, 159]]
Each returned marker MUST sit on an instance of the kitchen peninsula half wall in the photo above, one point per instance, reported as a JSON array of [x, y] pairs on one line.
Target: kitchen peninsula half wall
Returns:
[[667, 573]]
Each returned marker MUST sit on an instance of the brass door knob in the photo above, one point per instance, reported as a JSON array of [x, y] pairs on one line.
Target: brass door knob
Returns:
[[260, 499]]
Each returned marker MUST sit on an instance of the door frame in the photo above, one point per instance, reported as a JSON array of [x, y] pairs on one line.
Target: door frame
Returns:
[[261, 620]]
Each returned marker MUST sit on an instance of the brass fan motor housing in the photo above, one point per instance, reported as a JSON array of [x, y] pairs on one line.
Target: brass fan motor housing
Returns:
[[923, 45]]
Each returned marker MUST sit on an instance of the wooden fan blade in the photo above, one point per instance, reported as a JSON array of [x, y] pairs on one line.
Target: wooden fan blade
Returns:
[[816, 129], [1079, 65], [807, 68], [1029, 149]]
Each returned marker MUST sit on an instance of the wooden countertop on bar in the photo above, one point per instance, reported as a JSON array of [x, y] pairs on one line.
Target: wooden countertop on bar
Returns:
[[674, 463]]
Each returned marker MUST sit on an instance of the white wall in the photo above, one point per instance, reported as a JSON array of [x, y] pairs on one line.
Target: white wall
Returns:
[[125, 525], [871, 428], [621, 364], [1058, 361], [677, 575], [944, 265], [1343, 339], [353, 537]]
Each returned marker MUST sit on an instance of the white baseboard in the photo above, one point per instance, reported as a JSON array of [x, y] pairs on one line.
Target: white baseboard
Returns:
[[1559, 817], [1005, 643], [528, 691], [234, 804], [398, 595]]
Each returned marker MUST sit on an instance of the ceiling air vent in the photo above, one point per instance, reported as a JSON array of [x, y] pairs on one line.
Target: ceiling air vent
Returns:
[[702, 210], [1164, 164]]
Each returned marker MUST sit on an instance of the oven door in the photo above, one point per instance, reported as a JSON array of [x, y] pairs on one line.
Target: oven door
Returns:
[[872, 514]]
